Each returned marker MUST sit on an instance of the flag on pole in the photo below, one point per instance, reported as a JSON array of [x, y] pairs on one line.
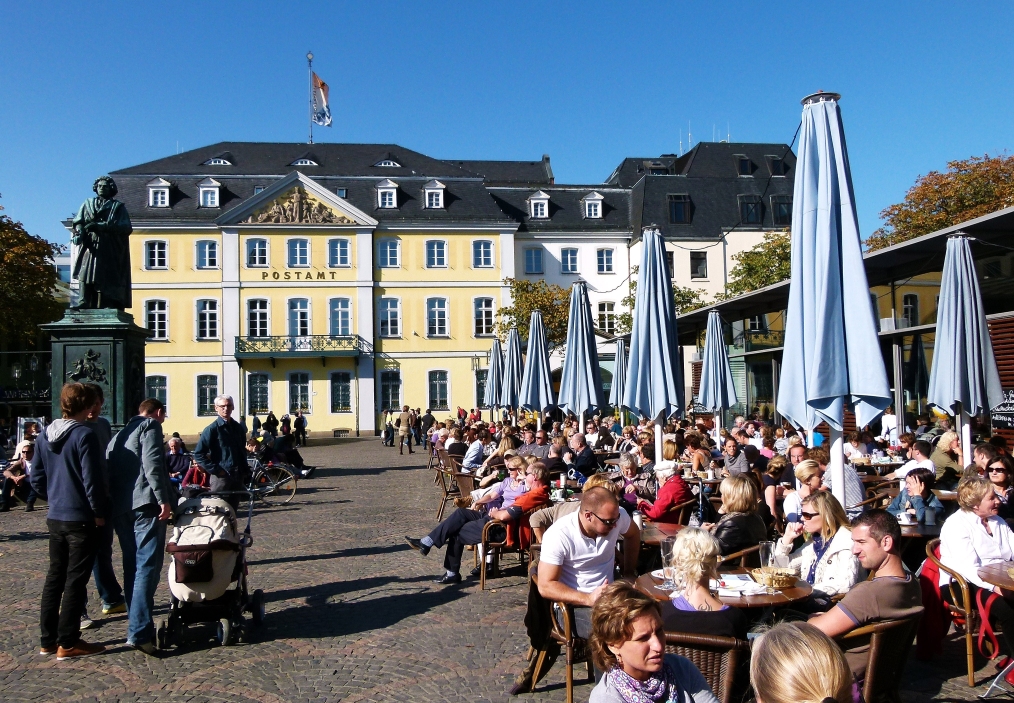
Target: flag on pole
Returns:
[[321, 110]]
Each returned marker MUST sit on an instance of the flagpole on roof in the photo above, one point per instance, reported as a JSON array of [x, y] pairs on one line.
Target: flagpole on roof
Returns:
[[309, 69]]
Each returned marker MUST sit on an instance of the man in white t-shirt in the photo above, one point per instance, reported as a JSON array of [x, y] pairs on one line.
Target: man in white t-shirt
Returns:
[[579, 553], [919, 454]]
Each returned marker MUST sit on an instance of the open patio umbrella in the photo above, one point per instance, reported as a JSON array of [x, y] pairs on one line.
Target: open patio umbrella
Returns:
[[619, 378], [964, 379], [831, 353], [494, 378], [510, 391], [537, 382], [581, 379], [718, 391], [654, 374]]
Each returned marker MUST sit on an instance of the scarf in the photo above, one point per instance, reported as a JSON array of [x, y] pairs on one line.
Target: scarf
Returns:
[[657, 688], [819, 548]]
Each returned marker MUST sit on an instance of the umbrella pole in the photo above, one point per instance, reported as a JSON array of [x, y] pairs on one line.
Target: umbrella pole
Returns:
[[658, 442], [965, 434], [837, 467]]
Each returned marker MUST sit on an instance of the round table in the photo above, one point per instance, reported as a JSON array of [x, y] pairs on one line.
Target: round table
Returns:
[[783, 596], [997, 575], [653, 532]]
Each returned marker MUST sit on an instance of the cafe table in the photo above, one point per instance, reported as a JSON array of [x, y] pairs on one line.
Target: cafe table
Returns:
[[997, 575], [652, 533], [648, 585]]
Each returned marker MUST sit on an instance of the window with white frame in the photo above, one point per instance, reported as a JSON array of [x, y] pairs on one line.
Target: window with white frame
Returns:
[[533, 260], [158, 193], [592, 206], [390, 389], [568, 261], [342, 192], [604, 259], [208, 192], [387, 194], [299, 392], [436, 317], [538, 206], [758, 323], [388, 255], [299, 317], [258, 393], [434, 195], [156, 315], [438, 390], [299, 253], [436, 254], [390, 317], [483, 317], [156, 387], [256, 252], [341, 392], [207, 319], [207, 254], [217, 161], [207, 390], [156, 255], [339, 253], [910, 309], [304, 162], [607, 318], [698, 264], [340, 317], [257, 318], [258, 189], [387, 163], [482, 254]]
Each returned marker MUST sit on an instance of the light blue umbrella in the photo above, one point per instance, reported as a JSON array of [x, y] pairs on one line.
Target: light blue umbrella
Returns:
[[654, 374], [510, 391], [537, 382], [964, 379], [619, 378], [494, 377], [718, 391], [831, 352], [581, 380]]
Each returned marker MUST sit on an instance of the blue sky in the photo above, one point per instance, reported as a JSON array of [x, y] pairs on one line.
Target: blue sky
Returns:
[[86, 88]]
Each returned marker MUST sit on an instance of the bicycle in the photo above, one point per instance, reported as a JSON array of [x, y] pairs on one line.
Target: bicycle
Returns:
[[273, 484]]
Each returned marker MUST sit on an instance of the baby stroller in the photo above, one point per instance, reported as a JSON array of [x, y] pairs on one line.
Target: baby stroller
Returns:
[[208, 571]]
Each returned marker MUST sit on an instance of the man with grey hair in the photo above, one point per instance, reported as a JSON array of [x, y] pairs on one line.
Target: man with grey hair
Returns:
[[582, 459], [221, 450]]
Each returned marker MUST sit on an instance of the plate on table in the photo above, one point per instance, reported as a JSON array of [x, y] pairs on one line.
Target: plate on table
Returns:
[[658, 574]]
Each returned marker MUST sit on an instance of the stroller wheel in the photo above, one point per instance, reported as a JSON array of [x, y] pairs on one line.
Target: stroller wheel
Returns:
[[257, 607], [225, 633]]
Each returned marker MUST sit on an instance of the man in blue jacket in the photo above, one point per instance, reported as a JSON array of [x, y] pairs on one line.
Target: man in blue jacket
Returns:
[[68, 472], [221, 450]]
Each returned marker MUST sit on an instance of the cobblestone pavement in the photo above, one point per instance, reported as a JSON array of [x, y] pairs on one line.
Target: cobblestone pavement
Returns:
[[352, 613]]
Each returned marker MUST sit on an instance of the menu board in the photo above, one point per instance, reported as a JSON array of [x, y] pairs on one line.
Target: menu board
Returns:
[[1003, 414]]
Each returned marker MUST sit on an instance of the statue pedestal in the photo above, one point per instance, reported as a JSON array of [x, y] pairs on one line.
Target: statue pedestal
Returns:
[[103, 347]]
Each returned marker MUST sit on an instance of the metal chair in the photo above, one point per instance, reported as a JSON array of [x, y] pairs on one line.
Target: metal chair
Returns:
[[722, 660], [961, 605], [495, 547], [889, 642], [575, 648]]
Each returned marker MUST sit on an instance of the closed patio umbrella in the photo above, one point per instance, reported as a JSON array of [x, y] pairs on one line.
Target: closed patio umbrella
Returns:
[[510, 391], [537, 382], [718, 391], [831, 353], [581, 379], [916, 370], [494, 378], [964, 379], [619, 378], [654, 375]]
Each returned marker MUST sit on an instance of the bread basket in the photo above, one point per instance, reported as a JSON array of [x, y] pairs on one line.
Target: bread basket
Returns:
[[774, 576], [1010, 572]]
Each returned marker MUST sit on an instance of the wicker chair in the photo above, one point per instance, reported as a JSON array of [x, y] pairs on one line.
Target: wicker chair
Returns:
[[962, 605], [742, 554], [494, 548], [877, 500], [575, 648], [889, 642], [722, 661]]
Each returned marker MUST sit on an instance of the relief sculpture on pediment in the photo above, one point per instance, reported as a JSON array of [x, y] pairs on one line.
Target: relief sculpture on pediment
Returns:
[[298, 208]]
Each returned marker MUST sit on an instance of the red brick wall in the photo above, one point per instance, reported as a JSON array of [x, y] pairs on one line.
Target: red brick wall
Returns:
[[1001, 333]]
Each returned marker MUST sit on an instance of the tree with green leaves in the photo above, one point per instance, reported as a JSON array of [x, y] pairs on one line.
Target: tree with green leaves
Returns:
[[767, 263], [527, 296], [27, 282], [968, 189]]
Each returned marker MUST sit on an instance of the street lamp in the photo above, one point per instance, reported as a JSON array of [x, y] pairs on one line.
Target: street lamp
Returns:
[[16, 372], [33, 365]]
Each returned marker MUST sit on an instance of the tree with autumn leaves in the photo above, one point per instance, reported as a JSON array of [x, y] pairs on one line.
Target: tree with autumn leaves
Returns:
[[27, 283]]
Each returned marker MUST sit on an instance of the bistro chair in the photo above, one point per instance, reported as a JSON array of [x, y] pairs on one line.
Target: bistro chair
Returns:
[[722, 661], [961, 607], [889, 642], [750, 554], [575, 648], [877, 500], [500, 537], [684, 510]]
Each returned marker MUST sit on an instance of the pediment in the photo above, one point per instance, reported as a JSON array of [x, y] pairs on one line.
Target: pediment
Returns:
[[296, 200]]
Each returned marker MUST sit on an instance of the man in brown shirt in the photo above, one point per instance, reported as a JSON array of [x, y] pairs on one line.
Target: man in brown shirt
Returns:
[[892, 593], [405, 430]]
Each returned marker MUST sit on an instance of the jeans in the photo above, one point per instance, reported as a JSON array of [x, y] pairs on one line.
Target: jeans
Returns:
[[71, 554], [105, 578], [8, 489], [463, 527], [149, 536]]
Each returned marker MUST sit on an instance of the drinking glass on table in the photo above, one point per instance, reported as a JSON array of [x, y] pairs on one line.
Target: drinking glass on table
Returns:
[[767, 553], [668, 572]]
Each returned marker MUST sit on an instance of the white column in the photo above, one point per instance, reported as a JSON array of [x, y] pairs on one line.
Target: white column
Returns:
[[231, 318], [837, 466], [507, 265], [366, 409], [965, 435]]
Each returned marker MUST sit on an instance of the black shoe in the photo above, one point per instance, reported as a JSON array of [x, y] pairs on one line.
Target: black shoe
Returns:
[[445, 579], [477, 571], [30, 507], [417, 544], [5, 508]]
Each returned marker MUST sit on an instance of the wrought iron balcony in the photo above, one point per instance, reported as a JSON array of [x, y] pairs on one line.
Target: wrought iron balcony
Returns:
[[294, 346]]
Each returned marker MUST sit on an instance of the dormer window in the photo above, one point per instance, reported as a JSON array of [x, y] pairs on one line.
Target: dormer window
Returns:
[[387, 194], [592, 206], [304, 162], [218, 161], [158, 193], [538, 206], [387, 163], [342, 192], [208, 192], [744, 167], [434, 195], [778, 167]]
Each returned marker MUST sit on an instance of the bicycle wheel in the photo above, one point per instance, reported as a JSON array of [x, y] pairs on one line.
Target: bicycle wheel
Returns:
[[285, 484]]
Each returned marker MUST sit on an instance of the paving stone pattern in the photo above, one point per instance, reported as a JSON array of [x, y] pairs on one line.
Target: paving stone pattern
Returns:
[[352, 612]]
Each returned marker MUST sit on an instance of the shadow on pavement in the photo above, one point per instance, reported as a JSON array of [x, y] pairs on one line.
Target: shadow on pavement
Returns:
[[352, 552], [366, 472], [24, 536]]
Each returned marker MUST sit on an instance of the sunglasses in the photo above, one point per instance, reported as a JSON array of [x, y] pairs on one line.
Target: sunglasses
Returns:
[[607, 523], [997, 470], [808, 516]]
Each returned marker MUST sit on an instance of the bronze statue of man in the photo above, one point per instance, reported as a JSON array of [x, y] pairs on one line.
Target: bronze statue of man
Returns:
[[102, 232]]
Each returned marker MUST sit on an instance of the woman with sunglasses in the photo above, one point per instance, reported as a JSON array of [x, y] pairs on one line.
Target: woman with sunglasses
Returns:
[[826, 560], [1000, 472], [917, 496]]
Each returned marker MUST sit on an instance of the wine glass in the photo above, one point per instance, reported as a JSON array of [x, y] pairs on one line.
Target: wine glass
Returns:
[[667, 545]]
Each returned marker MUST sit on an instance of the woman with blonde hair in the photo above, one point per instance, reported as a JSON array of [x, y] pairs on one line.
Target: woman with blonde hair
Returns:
[[796, 663], [740, 525], [807, 473], [693, 607], [628, 643], [670, 451], [826, 560]]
